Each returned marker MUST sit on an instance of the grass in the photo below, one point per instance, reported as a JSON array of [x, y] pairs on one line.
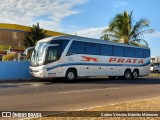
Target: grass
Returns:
[[154, 75]]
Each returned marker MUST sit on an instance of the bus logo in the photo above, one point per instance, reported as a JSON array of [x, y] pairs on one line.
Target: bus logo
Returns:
[[123, 60], [90, 59]]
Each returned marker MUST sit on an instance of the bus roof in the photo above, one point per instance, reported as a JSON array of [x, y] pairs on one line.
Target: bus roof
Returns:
[[85, 39]]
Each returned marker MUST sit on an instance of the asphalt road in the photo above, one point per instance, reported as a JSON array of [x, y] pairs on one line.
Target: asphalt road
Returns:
[[56, 95]]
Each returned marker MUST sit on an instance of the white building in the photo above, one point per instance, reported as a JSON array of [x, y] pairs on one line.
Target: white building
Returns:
[[155, 60]]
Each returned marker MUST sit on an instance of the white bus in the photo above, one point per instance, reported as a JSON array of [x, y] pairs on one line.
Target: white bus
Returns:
[[73, 56]]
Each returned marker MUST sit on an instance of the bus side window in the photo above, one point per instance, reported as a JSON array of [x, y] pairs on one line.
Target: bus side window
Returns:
[[106, 50], [118, 51], [146, 53], [76, 47], [92, 48], [129, 52], [139, 53]]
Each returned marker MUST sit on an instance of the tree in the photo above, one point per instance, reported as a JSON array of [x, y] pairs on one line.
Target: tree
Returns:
[[9, 57], [36, 33], [122, 29]]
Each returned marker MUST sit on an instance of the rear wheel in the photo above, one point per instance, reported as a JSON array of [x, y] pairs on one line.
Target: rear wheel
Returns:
[[127, 74], [135, 74], [70, 75]]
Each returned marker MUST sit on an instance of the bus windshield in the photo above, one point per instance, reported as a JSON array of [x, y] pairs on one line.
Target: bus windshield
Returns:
[[36, 58]]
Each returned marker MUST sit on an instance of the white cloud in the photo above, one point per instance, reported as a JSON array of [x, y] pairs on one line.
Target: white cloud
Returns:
[[120, 3], [90, 32], [48, 12]]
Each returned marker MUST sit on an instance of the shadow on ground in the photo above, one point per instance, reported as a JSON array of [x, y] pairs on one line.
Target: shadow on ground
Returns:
[[141, 80]]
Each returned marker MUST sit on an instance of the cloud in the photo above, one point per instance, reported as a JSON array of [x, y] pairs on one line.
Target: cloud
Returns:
[[120, 3], [49, 13], [90, 32]]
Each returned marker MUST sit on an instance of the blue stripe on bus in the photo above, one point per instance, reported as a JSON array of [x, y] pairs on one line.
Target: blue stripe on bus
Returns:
[[95, 64]]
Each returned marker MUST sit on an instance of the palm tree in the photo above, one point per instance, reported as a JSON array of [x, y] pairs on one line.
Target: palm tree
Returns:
[[36, 33], [122, 29]]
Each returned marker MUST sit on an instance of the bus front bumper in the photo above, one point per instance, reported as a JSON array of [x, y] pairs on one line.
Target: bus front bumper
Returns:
[[36, 73]]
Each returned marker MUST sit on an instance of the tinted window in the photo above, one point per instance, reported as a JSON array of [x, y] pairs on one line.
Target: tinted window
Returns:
[[62, 44], [146, 53], [52, 54], [92, 48], [76, 47], [129, 52], [118, 51], [139, 53], [106, 50]]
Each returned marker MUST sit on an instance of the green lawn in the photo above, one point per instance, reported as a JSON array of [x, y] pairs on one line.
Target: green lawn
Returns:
[[154, 75]]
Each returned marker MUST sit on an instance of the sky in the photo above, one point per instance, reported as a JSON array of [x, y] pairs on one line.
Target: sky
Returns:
[[86, 18]]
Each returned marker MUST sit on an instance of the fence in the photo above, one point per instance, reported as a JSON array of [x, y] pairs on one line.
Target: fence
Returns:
[[14, 70]]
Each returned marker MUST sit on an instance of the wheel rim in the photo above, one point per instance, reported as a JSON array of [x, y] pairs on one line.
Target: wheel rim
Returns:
[[127, 75], [71, 75], [135, 74]]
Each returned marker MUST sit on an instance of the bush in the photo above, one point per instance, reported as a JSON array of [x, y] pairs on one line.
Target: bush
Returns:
[[9, 57]]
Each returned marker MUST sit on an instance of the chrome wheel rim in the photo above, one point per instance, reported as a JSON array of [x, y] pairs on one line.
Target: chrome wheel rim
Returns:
[[70, 75], [127, 75], [135, 74]]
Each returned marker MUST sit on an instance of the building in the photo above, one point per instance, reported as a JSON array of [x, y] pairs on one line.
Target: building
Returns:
[[11, 37], [155, 60]]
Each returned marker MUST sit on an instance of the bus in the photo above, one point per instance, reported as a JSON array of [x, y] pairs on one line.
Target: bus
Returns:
[[72, 57]]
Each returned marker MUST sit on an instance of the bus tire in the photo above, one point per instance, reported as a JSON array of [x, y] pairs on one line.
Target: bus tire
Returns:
[[70, 75], [127, 74], [135, 74]]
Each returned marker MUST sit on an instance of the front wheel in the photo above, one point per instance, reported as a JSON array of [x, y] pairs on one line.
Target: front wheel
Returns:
[[70, 75], [127, 74]]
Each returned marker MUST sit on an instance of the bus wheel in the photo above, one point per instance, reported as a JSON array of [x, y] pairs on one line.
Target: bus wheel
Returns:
[[127, 74], [70, 75], [135, 74]]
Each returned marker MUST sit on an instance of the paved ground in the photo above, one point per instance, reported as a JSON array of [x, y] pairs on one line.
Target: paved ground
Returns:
[[59, 96]]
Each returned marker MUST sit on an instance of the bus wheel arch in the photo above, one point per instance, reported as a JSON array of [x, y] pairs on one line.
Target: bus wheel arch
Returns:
[[135, 74], [71, 74], [127, 73]]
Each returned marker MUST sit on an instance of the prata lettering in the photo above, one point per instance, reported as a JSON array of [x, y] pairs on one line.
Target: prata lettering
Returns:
[[123, 60]]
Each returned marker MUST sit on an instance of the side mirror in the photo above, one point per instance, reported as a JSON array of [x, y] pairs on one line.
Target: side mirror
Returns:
[[28, 49]]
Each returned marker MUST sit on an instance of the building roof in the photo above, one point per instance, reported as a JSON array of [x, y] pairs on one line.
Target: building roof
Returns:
[[16, 27]]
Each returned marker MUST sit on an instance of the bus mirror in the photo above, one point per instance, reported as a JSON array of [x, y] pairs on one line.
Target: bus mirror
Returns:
[[27, 50]]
